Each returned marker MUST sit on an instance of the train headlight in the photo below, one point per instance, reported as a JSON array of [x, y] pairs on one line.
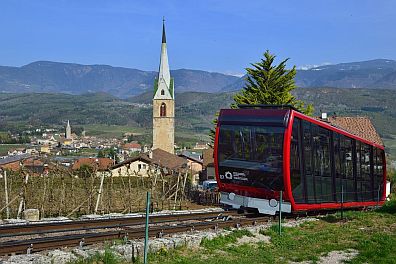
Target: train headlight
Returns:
[[231, 196], [273, 203]]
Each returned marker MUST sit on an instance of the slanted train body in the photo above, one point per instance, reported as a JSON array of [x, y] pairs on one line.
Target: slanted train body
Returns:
[[260, 152]]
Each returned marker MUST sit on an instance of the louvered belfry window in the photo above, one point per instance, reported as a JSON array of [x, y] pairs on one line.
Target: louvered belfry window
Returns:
[[163, 110]]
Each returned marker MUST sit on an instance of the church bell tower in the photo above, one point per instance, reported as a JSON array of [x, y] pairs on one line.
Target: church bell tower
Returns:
[[164, 104]]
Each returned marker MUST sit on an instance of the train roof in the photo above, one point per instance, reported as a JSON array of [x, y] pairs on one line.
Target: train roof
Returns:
[[359, 126]]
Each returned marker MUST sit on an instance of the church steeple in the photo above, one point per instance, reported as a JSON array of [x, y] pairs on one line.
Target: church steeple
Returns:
[[164, 83], [68, 130], [164, 103], [163, 31]]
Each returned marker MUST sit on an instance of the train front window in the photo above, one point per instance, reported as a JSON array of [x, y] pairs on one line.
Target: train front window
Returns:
[[251, 156]]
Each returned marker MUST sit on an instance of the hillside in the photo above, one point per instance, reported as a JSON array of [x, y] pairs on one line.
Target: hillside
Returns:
[[372, 74], [55, 77], [366, 74], [194, 111]]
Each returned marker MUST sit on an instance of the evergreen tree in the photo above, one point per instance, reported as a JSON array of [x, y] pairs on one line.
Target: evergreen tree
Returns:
[[269, 84]]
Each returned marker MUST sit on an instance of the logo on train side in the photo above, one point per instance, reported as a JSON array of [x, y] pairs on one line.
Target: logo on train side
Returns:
[[234, 175]]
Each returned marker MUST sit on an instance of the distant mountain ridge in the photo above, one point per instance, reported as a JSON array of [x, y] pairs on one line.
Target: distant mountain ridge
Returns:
[[380, 73], [373, 74], [71, 78]]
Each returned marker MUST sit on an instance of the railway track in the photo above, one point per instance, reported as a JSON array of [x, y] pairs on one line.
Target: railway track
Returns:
[[116, 229], [78, 225]]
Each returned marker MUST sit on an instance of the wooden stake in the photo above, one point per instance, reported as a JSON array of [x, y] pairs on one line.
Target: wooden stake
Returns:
[[99, 193], [6, 195], [23, 193]]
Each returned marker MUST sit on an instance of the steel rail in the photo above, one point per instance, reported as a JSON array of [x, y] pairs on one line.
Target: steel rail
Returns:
[[39, 244], [79, 225]]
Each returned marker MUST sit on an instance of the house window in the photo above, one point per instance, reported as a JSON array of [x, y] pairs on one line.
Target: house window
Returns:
[[139, 166], [144, 166], [163, 109], [162, 92]]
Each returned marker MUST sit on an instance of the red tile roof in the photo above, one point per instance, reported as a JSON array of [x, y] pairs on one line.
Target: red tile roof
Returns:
[[101, 164], [168, 160], [33, 162], [360, 126], [132, 145]]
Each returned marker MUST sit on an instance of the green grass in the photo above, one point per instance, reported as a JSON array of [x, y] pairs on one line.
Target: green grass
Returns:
[[112, 130], [108, 257], [372, 234], [390, 143], [222, 241]]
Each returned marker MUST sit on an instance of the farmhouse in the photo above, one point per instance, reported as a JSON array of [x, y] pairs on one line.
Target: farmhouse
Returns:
[[145, 163]]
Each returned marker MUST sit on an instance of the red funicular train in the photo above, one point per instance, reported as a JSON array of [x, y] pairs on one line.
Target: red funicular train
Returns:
[[262, 150]]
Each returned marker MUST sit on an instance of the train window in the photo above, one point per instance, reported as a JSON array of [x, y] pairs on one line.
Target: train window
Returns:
[[359, 190], [251, 155], [295, 164], [322, 169], [367, 189], [307, 154], [307, 147], [378, 173], [338, 168], [347, 168], [363, 172]]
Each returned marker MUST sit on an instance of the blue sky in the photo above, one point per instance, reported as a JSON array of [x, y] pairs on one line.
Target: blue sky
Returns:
[[223, 36]]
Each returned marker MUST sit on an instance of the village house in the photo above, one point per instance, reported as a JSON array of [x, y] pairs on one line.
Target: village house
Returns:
[[194, 164], [208, 170], [145, 163], [129, 148], [137, 166], [13, 163], [201, 145], [98, 165], [194, 160], [16, 151], [35, 166]]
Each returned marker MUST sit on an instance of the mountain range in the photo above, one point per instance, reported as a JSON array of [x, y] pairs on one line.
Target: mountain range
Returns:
[[70, 78]]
